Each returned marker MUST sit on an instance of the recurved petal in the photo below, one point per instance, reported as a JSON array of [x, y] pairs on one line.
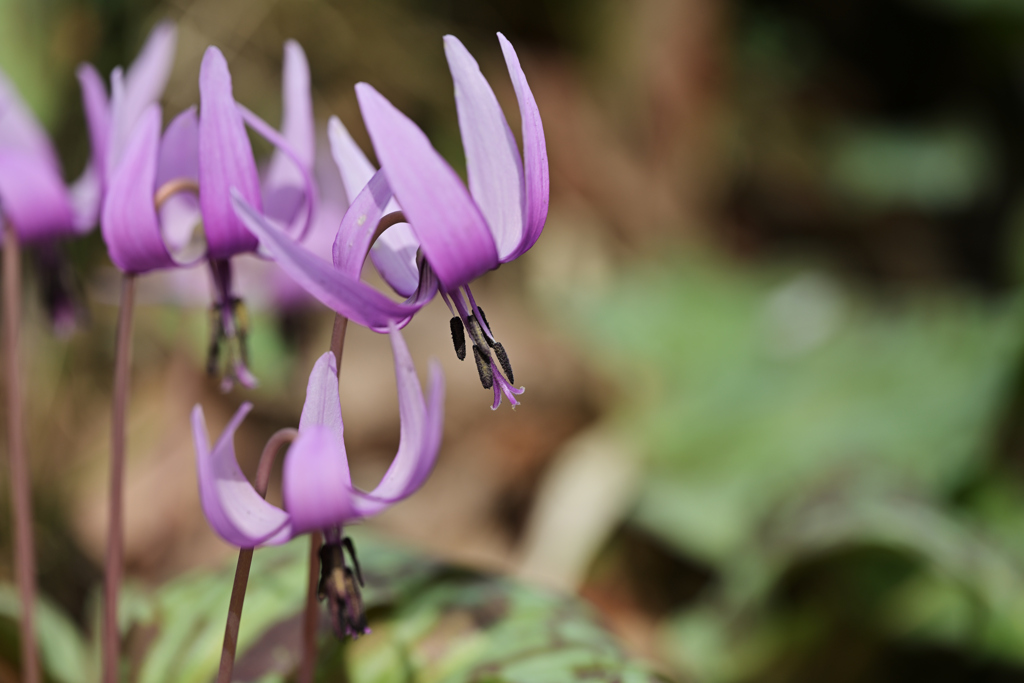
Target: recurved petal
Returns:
[[283, 181], [355, 169], [323, 404], [232, 506], [315, 485], [300, 222], [421, 427], [493, 164], [19, 129], [394, 253], [179, 159], [86, 196], [33, 197], [452, 232], [394, 257], [359, 225], [535, 153], [129, 223], [144, 83], [225, 161], [97, 115], [345, 295]]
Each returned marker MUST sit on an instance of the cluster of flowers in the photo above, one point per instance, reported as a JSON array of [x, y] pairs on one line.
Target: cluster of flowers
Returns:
[[151, 189]]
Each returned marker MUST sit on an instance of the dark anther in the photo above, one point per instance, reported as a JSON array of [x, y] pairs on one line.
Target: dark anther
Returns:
[[506, 366], [241, 315], [483, 367], [216, 336], [339, 585], [351, 548], [458, 337]]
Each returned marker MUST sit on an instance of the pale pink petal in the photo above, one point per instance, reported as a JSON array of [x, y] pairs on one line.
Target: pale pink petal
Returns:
[[301, 222], [144, 84], [97, 116], [343, 294], [535, 153], [33, 197], [130, 225], [283, 181], [315, 486], [493, 164], [453, 233], [232, 506], [179, 159], [225, 161], [422, 425], [323, 403], [359, 225]]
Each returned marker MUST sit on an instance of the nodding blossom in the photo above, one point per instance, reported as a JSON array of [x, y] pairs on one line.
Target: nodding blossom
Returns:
[[160, 187], [33, 196], [446, 234], [317, 486]]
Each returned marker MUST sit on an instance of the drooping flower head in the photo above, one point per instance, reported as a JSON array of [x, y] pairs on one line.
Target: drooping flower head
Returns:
[[226, 162], [161, 187], [447, 234], [33, 195], [317, 486]]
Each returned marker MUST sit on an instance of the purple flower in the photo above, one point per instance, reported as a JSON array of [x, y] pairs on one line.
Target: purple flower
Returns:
[[453, 234], [32, 191], [317, 486], [33, 195], [112, 120], [208, 154], [226, 163]]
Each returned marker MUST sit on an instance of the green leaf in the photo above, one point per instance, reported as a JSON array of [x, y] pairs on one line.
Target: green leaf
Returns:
[[64, 653], [429, 623]]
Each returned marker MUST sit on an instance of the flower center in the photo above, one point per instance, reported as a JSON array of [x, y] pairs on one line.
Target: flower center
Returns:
[[228, 354], [339, 585], [492, 363]]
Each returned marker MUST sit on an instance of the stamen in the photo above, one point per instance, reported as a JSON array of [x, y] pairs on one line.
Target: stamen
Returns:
[[339, 585], [458, 337], [483, 367], [173, 187], [503, 361], [229, 348]]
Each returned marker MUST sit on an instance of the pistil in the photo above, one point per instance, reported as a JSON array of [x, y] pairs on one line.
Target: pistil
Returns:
[[228, 354]]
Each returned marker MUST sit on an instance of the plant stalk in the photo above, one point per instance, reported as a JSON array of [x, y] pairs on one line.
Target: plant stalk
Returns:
[[227, 655], [115, 533], [21, 481]]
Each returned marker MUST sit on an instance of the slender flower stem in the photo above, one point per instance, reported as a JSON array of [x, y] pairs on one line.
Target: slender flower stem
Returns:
[[338, 338], [115, 533], [227, 655], [21, 486]]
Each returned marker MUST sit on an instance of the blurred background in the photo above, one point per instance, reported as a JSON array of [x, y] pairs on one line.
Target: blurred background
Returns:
[[771, 337]]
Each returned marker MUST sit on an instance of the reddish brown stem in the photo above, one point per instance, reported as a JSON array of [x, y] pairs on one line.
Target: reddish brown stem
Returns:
[[338, 338], [227, 655], [115, 534], [21, 481]]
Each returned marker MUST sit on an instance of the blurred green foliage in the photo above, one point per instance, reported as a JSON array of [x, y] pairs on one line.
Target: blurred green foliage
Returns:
[[430, 622], [790, 421]]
